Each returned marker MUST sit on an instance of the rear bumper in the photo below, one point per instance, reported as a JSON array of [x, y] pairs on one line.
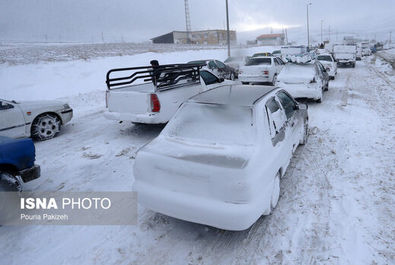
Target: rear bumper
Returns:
[[30, 174], [148, 118], [253, 79], [345, 61], [304, 91], [202, 210]]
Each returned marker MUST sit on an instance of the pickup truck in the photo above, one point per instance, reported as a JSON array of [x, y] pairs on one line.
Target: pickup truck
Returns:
[[17, 158], [345, 54], [158, 93]]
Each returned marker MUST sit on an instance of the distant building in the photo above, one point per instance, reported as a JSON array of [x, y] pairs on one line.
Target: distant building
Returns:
[[271, 39], [196, 37]]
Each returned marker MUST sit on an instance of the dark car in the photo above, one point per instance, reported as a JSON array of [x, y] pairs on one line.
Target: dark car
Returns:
[[17, 157], [219, 68]]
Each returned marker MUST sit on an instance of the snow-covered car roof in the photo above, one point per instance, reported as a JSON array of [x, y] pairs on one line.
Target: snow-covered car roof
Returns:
[[239, 95]]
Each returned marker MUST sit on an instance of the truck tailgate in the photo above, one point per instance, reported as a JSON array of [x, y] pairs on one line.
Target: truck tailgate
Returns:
[[128, 101]]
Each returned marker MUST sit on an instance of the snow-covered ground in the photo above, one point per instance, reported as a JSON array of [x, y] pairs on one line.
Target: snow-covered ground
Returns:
[[337, 198]]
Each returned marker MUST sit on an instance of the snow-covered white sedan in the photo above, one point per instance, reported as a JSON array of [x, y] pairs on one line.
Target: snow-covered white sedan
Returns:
[[263, 69], [220, 158], [303, 80], [329, 63], [41, 120]]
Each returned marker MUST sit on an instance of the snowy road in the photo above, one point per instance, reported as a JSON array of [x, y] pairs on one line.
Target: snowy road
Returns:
[[336, 207]]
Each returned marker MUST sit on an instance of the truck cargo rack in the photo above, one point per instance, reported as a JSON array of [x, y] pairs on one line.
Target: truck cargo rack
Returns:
[[163, 77]]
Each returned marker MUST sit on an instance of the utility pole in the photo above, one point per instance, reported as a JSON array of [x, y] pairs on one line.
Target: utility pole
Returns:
[[390, 37], [321, 30], [187, 21], [308, 29], [227, 27]]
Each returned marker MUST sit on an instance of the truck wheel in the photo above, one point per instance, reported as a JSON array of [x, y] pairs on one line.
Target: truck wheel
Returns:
[[8, 182], [275, 193], [45, 127]]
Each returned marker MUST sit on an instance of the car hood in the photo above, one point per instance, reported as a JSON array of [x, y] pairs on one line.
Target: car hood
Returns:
[[50, 104], [226, 156]]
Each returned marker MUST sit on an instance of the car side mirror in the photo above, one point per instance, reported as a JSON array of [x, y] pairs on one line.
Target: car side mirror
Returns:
[[221, 79]]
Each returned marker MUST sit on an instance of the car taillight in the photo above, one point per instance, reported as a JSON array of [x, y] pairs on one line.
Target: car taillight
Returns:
[[155, 104], [265, 72]]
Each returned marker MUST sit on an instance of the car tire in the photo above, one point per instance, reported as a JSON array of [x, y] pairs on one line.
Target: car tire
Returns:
[[45, 126], [275, 193], [9, 182], [305, 132]]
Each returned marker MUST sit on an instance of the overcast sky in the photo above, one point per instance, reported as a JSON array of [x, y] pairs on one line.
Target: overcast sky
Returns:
[[140, 20]]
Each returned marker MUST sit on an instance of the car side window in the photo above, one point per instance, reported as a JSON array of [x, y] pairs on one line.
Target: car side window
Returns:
[[276, 117], [288, 104], [4, 105], [211, 65], [220, 65], [208, 78]]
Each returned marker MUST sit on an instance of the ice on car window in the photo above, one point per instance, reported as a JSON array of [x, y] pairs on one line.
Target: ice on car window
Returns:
[[212, 123], [258, 61], [324, 58]]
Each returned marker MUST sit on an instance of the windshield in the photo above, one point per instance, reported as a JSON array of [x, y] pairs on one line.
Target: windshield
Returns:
[[212, 123], [258, 61], [324, 58]]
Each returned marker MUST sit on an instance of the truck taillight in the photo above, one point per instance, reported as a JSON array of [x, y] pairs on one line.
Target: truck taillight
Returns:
[[266, 72], [155, 104]]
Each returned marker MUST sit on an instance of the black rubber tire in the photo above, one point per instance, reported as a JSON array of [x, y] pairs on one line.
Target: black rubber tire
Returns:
[[306, 132], [9, 182], [275, 197]]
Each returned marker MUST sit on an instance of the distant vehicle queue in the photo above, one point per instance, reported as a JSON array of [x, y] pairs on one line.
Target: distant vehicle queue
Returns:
[[232, 128]]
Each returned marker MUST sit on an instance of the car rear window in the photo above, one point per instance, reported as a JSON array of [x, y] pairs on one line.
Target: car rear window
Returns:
[[258, 61], [212, 123], [324, 58]]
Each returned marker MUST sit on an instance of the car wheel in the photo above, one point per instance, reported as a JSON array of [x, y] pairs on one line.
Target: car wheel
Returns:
[[275, 193], [45, 127], [8, 182], [326, 88], [305, 132]]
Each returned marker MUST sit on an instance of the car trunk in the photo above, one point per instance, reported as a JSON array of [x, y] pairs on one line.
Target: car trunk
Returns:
[[191, 168]]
